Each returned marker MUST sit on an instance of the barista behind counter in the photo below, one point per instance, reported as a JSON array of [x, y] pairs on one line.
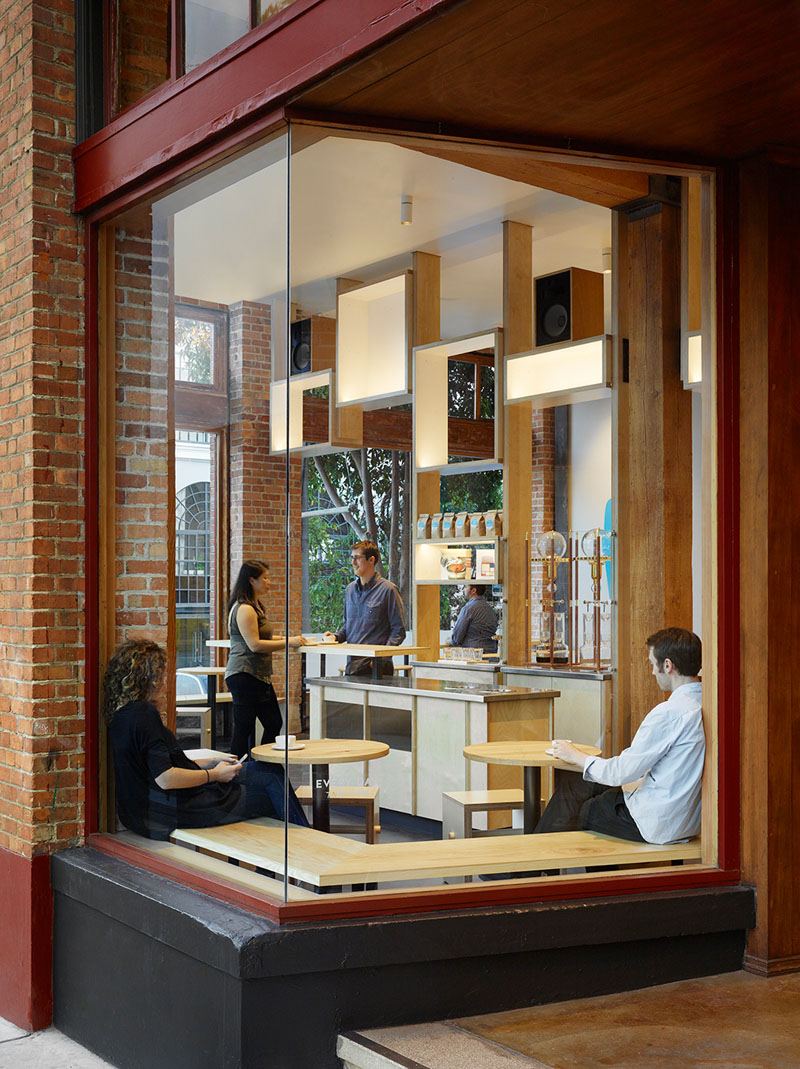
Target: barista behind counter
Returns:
[[476, 625], [373, 612]]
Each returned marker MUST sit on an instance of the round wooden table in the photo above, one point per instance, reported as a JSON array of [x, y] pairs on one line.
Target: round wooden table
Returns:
[[533, 757], [320, 753]]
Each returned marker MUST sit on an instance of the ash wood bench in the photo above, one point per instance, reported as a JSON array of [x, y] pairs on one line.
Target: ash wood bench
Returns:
[[214, 865], [328, 861]]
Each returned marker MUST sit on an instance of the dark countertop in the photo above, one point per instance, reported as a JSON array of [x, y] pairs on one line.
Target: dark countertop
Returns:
[[527, 670], [435, 688]]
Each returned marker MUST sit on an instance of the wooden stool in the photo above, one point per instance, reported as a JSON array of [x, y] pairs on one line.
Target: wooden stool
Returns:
[[202, 713], [366, 797], [458, 807]]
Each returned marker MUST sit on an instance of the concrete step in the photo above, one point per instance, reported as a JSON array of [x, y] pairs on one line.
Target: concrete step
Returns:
[[426, 1046]]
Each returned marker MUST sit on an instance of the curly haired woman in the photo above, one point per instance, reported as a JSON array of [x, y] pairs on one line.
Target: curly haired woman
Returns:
[[158, 787]]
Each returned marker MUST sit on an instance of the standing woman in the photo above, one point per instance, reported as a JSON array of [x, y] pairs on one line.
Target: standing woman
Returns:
[[250, 662]]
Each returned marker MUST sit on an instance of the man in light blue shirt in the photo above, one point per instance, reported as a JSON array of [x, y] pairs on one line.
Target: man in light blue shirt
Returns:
[[373, 612], [661, 770], [476, 625]]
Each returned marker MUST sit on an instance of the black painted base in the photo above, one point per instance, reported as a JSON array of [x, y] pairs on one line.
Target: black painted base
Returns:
[[147, 973]]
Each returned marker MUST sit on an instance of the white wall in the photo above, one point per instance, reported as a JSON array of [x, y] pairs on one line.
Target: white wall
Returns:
[[590, 474]]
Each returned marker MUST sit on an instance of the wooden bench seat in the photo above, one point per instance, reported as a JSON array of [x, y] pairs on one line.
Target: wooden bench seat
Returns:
[[324, 860], [213, 866]]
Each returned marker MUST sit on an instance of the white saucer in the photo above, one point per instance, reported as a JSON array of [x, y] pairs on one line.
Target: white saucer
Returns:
[[297, 746]]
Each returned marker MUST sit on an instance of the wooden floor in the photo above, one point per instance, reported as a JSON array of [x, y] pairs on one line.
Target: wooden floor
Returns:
[[734, 1020]]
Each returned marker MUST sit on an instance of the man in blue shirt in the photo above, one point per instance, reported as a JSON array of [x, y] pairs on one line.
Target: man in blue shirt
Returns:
[[373, 612], [477, 622], [661, 770]]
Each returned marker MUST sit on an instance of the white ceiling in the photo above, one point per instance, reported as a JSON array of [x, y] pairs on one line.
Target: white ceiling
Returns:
[[345, 209]]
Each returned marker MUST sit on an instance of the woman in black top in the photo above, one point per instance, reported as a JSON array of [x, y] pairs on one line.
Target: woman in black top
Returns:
[[158, 788], [249, 667]]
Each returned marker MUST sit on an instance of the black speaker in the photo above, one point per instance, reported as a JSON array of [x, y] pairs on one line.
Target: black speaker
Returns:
[[301, 347], [553, 308]]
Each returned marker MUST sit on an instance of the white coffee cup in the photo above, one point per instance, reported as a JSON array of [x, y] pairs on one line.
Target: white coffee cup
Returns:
[[282, 740]]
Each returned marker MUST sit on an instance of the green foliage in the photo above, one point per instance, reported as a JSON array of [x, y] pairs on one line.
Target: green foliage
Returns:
[[329, 570], [330, 537], [474, 492], [194, 343]]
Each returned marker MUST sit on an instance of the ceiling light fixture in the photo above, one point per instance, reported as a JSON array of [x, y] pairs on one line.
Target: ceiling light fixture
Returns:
[[606, 261], [406, 206]]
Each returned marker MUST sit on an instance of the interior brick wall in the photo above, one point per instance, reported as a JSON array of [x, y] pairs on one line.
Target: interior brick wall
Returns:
[[41, 443], [542, 494], [142, 444], [258, 482]]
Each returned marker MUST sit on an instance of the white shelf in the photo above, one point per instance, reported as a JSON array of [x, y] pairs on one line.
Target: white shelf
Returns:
[[465, 467], [476, 541], [458, 582], [560, 374]]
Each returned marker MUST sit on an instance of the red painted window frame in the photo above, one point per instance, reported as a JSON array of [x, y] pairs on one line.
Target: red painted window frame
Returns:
[[728, 869]]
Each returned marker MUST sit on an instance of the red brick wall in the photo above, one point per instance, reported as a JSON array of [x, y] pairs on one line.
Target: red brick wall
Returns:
[[41, 409], [41, 491], [142, 41], [258, 480]]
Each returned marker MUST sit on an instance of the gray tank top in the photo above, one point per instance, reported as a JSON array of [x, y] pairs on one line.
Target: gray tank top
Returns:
[[241, 657]]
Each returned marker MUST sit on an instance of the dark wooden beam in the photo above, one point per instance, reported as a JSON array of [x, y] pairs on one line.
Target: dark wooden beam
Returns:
[[390, 428]]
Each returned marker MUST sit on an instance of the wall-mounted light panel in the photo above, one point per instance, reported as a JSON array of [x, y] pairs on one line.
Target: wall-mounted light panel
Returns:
[[692, 359], [373, 356], [560, 374], [431, 447]]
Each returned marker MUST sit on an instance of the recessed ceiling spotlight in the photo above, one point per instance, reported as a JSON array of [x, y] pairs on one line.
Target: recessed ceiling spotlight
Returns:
[[606, 261], [406, 207]]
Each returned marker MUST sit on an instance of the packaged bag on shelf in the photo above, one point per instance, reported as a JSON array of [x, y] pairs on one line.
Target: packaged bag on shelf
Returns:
[[436, 525], [449, 525], [424, 525], [477, 525], [462, 525], [493, 520]]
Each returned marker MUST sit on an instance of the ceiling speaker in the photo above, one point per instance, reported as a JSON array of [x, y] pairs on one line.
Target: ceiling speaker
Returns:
[[569, 306], [301, 347]]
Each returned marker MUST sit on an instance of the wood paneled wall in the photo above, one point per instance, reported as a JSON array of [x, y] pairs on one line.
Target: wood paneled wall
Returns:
[[769, 412]]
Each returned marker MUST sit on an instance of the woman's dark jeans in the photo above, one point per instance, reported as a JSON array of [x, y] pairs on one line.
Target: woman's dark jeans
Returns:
[[253, 699], [264, 794]]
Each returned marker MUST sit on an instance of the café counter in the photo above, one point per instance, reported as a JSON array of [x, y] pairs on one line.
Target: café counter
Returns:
[[427, 723]]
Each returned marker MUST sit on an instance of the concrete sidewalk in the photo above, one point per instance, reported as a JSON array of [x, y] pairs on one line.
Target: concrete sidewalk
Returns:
[[42, 1050]]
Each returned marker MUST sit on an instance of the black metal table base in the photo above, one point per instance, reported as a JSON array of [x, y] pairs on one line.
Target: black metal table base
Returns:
[[320, 797], [532, 805]]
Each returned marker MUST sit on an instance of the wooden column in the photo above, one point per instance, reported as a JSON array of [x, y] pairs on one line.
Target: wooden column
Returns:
[[653, 477], [517, 445], [426, 328], [769, 241]]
